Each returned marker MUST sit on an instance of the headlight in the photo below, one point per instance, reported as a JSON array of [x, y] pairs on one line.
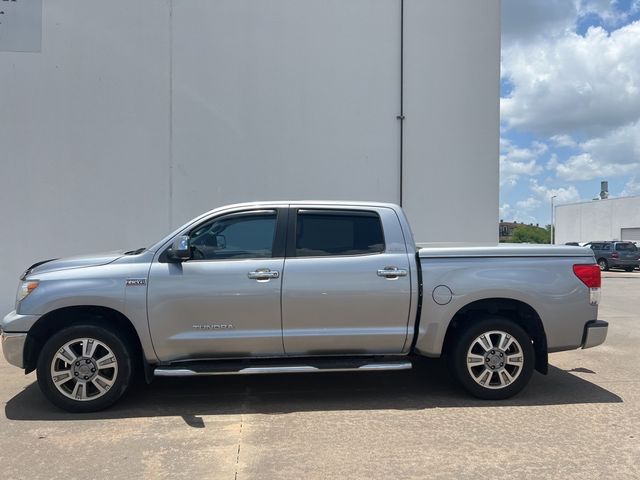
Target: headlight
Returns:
[[26, 287]]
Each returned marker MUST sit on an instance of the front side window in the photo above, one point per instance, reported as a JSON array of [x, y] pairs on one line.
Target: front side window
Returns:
[[323, 233], [236, 236]]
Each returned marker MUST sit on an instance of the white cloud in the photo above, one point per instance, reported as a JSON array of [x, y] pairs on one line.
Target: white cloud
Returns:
[[605, 9], [563, 194], [516, 161], [527, 20], [632, 187], [619, 146], [524, 20], [583, 167], [528, 204], [613, 155], [552, 164], [505, 211], [571, 83], [564, 141]]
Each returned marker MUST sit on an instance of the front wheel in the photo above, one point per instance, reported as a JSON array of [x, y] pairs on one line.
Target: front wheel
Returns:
[[84, 368], [493, 359]]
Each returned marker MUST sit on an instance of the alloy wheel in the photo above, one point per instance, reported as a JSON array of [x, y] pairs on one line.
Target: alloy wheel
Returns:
[[84, 369], [495, 359]]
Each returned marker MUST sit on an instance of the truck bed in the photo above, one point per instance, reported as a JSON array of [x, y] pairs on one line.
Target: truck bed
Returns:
[[504, 250]]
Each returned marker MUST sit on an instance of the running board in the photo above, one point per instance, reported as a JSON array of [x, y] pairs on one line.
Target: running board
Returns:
[[217, 368]]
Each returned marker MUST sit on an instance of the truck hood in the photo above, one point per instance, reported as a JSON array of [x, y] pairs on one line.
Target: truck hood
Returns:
[[72, 262]]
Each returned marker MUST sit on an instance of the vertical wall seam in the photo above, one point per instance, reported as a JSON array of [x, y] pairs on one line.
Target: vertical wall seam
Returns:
[[401, 116], [170, 114]]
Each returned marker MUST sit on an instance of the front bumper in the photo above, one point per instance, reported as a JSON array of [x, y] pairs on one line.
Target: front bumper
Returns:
[[13, 348], [595, 333], [14, 339]]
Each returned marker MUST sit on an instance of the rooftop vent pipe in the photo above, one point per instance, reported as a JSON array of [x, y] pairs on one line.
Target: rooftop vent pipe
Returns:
[[604, 190]]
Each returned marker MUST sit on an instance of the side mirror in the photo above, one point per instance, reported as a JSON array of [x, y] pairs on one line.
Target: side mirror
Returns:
[[181, 248]]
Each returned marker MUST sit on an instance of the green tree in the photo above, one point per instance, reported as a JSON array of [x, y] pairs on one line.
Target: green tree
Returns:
[[530, 234]]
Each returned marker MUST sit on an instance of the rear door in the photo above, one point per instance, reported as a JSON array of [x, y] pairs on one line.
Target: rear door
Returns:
[[347, 283]]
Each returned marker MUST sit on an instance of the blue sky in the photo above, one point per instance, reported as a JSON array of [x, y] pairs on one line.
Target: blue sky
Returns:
[[570, 103]]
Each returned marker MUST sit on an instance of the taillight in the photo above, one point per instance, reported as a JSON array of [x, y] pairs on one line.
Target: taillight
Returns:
[[590, 276], [615, 255]]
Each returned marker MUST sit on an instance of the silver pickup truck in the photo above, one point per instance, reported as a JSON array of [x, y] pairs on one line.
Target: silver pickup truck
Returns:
[[280, 287]]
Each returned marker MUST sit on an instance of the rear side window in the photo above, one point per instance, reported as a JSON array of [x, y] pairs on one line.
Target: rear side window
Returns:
[[323, 233], [626, 247]]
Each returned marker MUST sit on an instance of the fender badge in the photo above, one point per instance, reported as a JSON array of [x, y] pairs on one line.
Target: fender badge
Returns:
[[134, 282]]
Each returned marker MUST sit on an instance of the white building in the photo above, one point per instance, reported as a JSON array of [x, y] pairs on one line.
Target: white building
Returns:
[[121, 120], [608, 219]]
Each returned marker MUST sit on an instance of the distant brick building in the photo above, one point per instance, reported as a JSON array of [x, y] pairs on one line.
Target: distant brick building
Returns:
[[505, 230]]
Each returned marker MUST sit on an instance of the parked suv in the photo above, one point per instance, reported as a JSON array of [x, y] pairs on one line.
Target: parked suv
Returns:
[[616, 255]]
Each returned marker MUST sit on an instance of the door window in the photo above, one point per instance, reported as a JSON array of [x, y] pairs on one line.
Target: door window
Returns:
[[323, 233], [236, 236], [626, 247]]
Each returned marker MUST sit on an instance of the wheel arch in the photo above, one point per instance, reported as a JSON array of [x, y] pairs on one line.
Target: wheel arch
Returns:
[[57, 319], [516, 311]]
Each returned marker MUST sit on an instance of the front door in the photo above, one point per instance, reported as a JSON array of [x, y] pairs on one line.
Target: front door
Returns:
[[347, 283], [225, 300]]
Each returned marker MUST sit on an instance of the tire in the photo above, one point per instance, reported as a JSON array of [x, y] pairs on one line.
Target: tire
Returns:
[[604, 265], [91, 364], [513, 366], [630, 269]]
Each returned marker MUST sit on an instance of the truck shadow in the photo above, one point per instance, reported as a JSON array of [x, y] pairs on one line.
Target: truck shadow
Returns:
[[427, 386]]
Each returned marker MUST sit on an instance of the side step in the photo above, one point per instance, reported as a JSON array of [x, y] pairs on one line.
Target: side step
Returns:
[[198, 368]]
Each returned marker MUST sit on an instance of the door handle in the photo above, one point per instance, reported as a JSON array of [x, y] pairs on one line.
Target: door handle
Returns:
[[392, 272], [263, 274]]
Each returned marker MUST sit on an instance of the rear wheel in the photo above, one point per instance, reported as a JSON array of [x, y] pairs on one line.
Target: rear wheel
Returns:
[[84, 368], [602, 263], [630, 269], [493, 359]]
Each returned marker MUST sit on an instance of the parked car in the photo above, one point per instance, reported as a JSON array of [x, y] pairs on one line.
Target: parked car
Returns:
[[285, 287], [624, 255]]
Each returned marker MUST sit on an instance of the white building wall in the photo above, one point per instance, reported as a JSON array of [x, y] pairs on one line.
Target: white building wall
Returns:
[[451, 181], [596, 220], [136, 116]]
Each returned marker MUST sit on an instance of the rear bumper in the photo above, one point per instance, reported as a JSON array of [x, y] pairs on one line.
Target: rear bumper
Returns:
[[595, 333], [622, 263]]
